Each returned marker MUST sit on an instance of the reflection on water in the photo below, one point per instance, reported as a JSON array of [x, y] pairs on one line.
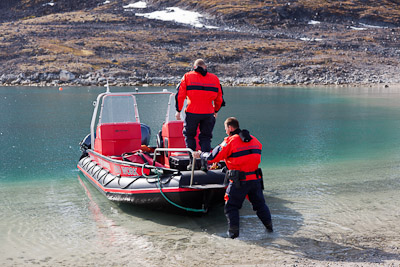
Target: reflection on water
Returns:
[[331, 173]]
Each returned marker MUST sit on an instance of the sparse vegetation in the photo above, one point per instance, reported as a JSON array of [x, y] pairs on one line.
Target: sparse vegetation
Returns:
[[256, 39]]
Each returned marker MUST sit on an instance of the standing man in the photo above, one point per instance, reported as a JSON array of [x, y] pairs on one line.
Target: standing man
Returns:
[[204, 96], [242, 154]]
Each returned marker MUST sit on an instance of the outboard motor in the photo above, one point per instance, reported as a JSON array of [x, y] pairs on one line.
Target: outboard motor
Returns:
[[146, 134], [85, 144]]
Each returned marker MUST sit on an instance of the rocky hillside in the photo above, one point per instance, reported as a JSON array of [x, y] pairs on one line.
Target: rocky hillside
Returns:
[[251, 42]]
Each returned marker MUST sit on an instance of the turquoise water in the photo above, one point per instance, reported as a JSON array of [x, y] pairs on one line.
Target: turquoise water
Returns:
[[330, 158], [305, 126], [296, 126]]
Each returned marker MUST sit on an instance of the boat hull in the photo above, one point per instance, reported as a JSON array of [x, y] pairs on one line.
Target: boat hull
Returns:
[[174, 190]]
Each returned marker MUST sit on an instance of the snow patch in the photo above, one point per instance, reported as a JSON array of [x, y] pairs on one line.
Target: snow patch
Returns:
[[140, 4], [177, 15], [49, 4], [373, 26], [314, 22], [311, 39], [357, 28]]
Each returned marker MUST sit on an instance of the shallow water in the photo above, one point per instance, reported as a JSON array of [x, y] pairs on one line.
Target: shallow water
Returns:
[[330, 159]]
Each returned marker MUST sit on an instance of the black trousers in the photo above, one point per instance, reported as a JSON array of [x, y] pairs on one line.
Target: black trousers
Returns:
[[206, 124], [234, 199]]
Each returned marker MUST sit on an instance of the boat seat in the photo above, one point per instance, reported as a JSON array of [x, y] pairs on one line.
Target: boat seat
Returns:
[[172, 134], [114, 139], [146, 134], [172, 137]]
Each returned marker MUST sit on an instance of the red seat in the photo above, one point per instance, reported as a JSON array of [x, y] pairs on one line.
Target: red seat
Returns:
[[172, 133], [114, 139]]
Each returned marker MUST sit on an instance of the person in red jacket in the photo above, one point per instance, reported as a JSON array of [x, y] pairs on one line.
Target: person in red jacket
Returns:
[[204, 96], [242, 155]]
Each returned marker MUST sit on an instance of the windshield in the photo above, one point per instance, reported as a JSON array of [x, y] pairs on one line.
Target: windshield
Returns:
[[154, 108], [117, 109]]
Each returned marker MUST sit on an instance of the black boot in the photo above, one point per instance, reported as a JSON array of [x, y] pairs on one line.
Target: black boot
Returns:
[[269, 228], [204, 165], [233, 233]]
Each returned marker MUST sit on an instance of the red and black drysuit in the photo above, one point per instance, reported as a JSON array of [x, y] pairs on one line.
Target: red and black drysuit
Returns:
[[241, 152], [204, 96]]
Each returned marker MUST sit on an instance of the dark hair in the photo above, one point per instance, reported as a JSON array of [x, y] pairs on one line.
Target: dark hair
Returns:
[[232, 121]]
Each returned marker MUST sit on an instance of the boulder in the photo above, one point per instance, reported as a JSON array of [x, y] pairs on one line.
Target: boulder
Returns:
[[66, 76]]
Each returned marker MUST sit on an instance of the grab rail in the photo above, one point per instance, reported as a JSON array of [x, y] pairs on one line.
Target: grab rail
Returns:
[[154, 160], [128, 163], [177, 150]]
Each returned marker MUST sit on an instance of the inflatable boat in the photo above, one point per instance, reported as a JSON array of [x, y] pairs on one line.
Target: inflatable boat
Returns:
[[118, 159]]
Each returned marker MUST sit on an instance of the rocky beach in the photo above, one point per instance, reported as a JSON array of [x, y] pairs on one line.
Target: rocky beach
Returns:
[[52, 43]]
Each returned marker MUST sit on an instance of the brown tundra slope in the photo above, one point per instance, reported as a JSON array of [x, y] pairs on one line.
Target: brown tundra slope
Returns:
[[253, 42]]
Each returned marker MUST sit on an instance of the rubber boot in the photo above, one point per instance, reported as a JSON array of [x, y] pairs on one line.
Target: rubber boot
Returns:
[[233, 233], [269, 227], [204, 165]]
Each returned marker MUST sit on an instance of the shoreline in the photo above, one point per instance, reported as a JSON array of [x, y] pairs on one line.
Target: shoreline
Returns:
[[94, 79]]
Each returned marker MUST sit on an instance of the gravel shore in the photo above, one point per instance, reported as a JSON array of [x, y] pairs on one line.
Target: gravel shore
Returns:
[[90, 46]]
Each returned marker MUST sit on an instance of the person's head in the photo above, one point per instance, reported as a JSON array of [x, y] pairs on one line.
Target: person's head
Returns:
[[231, 124], [200, 63]]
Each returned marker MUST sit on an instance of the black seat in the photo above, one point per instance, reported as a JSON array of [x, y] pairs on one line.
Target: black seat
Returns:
[[146, 134]]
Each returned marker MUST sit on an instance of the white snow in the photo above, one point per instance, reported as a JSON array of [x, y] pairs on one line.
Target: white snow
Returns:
[[140, 4], [314, 22], [373, 26], [106, 2], [311, 39], [178, 15], [357, 28], [49, 4]]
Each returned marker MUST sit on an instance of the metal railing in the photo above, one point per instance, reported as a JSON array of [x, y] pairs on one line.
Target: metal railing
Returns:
[[154, 160], [177, 150], [128, 163]]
